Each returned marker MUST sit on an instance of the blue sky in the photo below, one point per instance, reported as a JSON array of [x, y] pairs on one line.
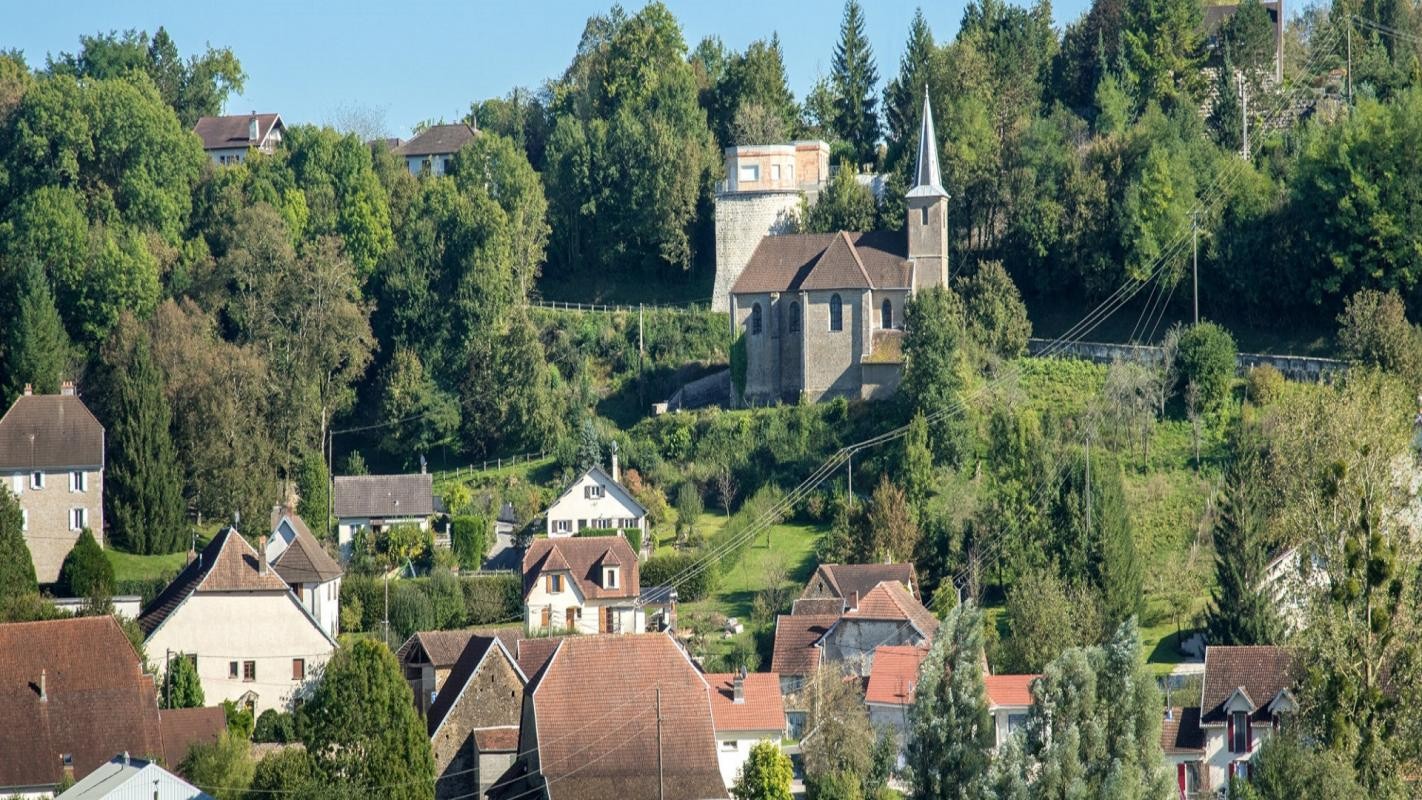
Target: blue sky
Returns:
[[420, 60]]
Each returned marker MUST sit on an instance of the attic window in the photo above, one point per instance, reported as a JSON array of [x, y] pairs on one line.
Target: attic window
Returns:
[[609, 578], [594, 492]]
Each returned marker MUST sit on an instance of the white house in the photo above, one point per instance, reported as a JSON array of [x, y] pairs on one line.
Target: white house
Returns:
[[429, 152], [380, 501], [582, 585], [228, 139], [303, 563], [746, 709], [251, 638], [126, 778], [596, 500]]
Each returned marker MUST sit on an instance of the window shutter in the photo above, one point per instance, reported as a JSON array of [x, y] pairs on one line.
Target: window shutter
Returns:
[[1180, 777], [1248, 735], [1230, 733], [547, 616]]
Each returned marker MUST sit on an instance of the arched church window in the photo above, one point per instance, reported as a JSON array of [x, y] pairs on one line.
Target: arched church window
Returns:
[[755, 319], [794, 317], [886, 315], [836, 313]]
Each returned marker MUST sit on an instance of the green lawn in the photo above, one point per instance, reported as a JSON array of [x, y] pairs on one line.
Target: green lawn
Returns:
[[792, 547], [537, 472], [134, 567]]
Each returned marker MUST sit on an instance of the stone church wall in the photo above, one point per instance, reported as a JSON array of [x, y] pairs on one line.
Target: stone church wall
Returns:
[[742, 220]]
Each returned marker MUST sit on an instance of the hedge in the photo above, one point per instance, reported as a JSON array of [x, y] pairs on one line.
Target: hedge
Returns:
[[661, 570], [427, 604]]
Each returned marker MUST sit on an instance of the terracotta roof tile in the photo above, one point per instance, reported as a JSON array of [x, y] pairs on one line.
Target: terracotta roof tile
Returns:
[[1180, 732], [890, 601], [304, 560], [50, 431], [583, 557], [227, 564], [441, 649], [438, 140], [795, 636], [762, 708], [98, 701], [894, 675], [533, 654], [826, 261], [502, 739], [1010, 690], [1262, 671], [381, 496], [817, 606], [182, 728]]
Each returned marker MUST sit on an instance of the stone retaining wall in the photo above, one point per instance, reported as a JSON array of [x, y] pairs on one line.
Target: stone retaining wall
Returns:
[[1295, 368]]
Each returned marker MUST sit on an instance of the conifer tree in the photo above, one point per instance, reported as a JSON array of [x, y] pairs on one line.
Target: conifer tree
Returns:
[[951, 731], [181, 687], [918, 464], [17, 570], [86, 571], [853, 77], [143, 485], [313, 487], [1241, 614], [1226, 116], [932, 346], [1094, 540], [36, 347], [903, 97]]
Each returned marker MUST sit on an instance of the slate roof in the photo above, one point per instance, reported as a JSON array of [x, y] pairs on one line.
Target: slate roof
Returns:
[[843, 260], [1262, 671], [584, 557], [181, 728], [894, 675], [380, 496], [817, 606], [611, 682], [304, 560], [470, 661], [762, 708], [98, 703], [50, 432], [1009, 690], [890, 601], [1180, 732], [221, 133], [843, 580], [795, 636], [437, 140], [227, 564]]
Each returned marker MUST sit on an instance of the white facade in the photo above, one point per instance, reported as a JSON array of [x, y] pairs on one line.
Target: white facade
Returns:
[[595, 500], [1006, 720], [435, 163], [1225, 758], [733, 750], [258, 646], [555, 604], [323, 602]]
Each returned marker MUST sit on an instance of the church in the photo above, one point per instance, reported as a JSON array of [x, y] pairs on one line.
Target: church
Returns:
[[822, 315]]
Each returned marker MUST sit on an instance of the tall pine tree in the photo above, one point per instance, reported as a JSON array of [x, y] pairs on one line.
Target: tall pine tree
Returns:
[[853, 77], [1094, 542], [36, 347], [1240, 613], [1226, 118], [143, 485], [17, 569], [951, 731], [903, 97]]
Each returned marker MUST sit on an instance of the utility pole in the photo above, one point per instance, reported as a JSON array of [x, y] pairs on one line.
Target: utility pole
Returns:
[[1088, 486], [661, 782], [1195, 259], [168, 678], [1350, 65], [641, 369], [849, 475], [1244, 115]]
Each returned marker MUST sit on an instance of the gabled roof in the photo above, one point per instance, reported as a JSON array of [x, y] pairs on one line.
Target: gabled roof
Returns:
[[440, 649], [50, 431], [1009, 690], [583, 557], [304, 560], [1260, 672], [889, 601], [1180, 732], [182, 728], [534, 654], [818, 606], [96, 702], [600, 475], [843, 580], [822, 261], [380, 496], [223, 133], [126, 777], [496, 739], [227, 564], [470, 662], [614, 683], [438, 140], [761, 708], [894, 675], [795, 652]]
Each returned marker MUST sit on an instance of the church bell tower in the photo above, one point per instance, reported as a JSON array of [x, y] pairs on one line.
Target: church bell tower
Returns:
[[927, 217]]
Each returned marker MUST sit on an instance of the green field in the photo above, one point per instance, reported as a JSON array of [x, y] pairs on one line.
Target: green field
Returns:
[[792, 547], [134, 567]]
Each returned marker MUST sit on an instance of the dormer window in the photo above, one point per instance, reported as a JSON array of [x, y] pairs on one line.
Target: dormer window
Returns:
[[553, 584], [1239, 732], [609, 578], [594, 492]]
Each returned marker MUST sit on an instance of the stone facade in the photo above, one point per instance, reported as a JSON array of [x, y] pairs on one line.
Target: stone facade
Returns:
[[492, 698], [742, 219], [49, 508]]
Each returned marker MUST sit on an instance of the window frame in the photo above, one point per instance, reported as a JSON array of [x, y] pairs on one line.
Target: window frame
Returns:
[[298, 669], [836, 313], [234, 670], [757, 322], [562, 526], [78, 518], [37, 481], [748, 172], [886, 314], [553, 584], [794, 316], [249, 671], [609, 577], [1239, 743]]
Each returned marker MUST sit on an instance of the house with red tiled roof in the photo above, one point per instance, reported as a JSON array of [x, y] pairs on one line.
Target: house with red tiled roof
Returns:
[[428, 657], [473, 722], [251, 638], [72, 694], [746, 709], [586, 584], [1247, 692], [886, 615], [1009, 700], [821, 314], [849, 582], [311, 572], [615, 718], [1183, 743]]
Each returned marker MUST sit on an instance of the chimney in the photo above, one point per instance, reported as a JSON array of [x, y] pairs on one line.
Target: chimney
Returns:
[[44, 691], [253, 128], [1169, 713], [67, 388], [738, 686], [29, 390], [125, 758], [616, 473], [262, 555]]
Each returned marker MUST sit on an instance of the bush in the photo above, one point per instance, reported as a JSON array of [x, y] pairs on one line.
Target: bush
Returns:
[[661, 570], [1206, 358], [239, 719], [274, 726], [410, 610], [446, 599], [1265, 384], [634, 538], [145, 588], [1373, 330], [87, 571], [469, 537], [351, 613], [492, 598]]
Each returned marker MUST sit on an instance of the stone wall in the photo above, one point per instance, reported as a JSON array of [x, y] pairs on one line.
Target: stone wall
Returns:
[[492, 698], [1295, 368], [742, 220], [832, 358], [47, 513]]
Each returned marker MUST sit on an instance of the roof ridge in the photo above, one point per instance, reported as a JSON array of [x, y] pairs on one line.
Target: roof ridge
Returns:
[[859, 262]]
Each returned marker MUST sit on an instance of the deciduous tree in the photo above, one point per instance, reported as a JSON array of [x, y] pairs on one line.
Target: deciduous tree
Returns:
[[766, 774]]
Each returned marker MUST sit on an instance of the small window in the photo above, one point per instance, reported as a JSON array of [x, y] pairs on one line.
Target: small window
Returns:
[[836, 320], [609, 578], [232, 670], [67, 759], [794, 317], [775, 172], [36, 480], [1015, 722], [555, 584], [748, 172], [77, 482], [78, 519], [755, 320], [602, 524], [298, 669], [593, 492], [24, 519], [1241, 733], [886, 314], [192, 659], [564, 526], [790, 172], [923, 216], [729, 745], [249, 670]]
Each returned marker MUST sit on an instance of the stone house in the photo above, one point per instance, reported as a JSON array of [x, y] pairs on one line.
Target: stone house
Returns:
[[251, 638], [376, 502], [582, 585], [822, 315], [641, 694], [430, 151], [303, 563], [473, 723], [598, 500], [886, 615], [227, 140], [52, 458], [746, 709], [428, 657], [851, 581]]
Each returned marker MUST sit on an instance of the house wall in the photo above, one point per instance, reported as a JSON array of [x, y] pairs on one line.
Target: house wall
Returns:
[[852, 642], [491, 766], [1217, 756], [575, 508], [1001, 720], [742, 220], [831, 358], [493, 697], [629, 617], [47, 526], [1193, 765], [228, 155], [266, 627], [323, 600], [439, 164], [733, 750], [892, 718]]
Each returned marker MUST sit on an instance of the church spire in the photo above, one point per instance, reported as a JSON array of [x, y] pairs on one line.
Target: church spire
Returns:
[[927, 182]]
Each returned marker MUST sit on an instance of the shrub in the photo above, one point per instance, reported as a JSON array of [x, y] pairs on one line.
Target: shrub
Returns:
[[351, 612], [145, 588], [661, 570], [469, 536], [239, 719], [446, 599], [1373, 330], [492, 598], [1265, 384], [87, 571], [1206, 358], [410, 610], [274, 726], [634, 538]]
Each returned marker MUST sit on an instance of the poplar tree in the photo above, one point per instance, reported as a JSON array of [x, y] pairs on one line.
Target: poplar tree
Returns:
[[951, 730], [1227, 115], [932, 383], [143, 485], [17, 570], [853, 77], [36, 347], [1241, 614]]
